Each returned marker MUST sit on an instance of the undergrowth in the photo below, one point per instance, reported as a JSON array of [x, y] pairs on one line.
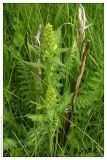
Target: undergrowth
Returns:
[[34, 106]]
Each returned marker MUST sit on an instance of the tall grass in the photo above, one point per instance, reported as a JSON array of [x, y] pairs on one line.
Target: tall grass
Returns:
[[31, 126]]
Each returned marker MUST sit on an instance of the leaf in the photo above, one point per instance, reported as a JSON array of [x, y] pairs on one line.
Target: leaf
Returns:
[[18, 39], [58, 36], [34, 64], [58, 62], [32, 48], [74, 46], [17, 152], [61, 50], [65, 100], [39, 118], [9, 143]]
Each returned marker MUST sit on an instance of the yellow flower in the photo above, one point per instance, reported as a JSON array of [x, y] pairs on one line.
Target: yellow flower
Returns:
[[51, 97], [48, 40]]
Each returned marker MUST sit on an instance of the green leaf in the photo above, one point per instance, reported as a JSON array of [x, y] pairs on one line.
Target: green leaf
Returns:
[[31, 48], [34, 118], [58, 36], [9, 143], [18, 39], [57, 61], [34, 64], [61, 50], [17, 152]]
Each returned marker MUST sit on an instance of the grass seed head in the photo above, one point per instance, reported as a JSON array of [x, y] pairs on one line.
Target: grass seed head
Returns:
[[82, 21]]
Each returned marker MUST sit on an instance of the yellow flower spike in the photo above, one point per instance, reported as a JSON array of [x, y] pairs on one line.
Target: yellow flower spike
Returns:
[[51, 97], [48, 40]]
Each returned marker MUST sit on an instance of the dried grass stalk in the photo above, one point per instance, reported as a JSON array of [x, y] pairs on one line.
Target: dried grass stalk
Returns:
[[82, 67], [38, 69]]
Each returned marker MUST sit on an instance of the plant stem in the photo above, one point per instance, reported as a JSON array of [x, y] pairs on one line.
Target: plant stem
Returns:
[[38, 69], [82, 67]]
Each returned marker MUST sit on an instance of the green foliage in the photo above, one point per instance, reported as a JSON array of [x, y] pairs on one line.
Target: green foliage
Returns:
[[31, 126], [9, 143]]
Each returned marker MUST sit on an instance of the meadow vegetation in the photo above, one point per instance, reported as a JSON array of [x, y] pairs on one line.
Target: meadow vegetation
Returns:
[[40, 76]]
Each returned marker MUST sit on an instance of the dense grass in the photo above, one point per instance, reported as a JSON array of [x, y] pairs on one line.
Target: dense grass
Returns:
[[30, 125]]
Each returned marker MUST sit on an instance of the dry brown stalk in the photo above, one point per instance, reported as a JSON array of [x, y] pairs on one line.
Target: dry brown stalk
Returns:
[[68, 114], [68, 117], [82, 67], [69, 111], [38, 69], [37, 37]]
